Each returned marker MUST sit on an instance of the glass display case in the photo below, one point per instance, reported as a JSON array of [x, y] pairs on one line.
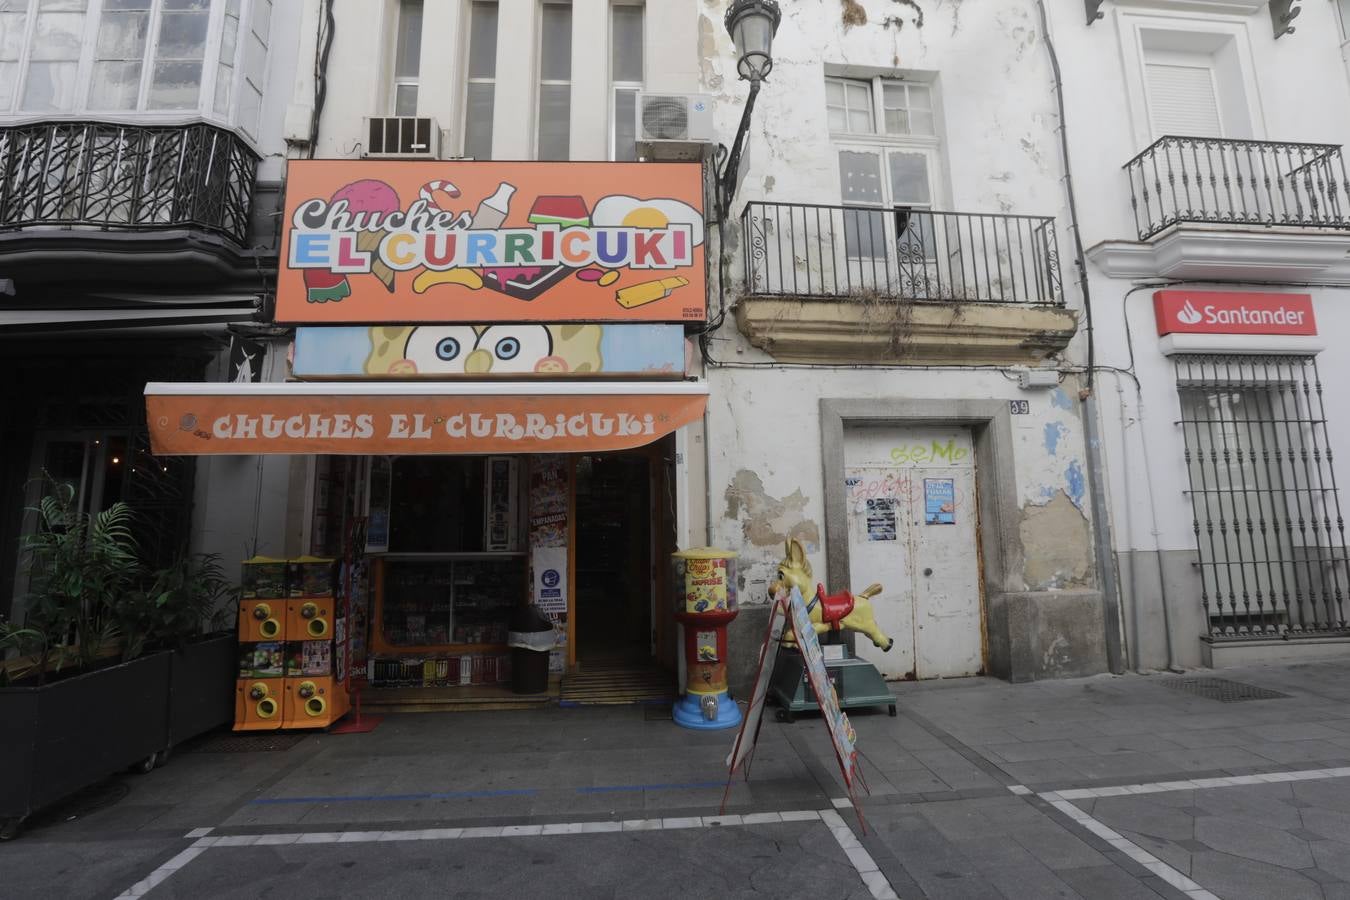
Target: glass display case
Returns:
[[448, 601]]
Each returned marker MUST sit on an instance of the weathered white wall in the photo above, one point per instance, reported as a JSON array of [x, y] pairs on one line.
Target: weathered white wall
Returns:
[[996, 123]]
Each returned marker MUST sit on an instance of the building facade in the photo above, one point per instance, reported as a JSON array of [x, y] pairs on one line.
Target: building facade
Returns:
[[897, 377], [1213, 208], [141, 154]]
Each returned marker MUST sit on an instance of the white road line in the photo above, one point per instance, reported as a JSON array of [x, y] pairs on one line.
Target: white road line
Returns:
[[868, 870], [861, 860], [1063, 801]]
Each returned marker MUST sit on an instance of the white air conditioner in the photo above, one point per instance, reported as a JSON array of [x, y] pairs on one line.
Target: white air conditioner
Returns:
[[405, 137], [672, 127]]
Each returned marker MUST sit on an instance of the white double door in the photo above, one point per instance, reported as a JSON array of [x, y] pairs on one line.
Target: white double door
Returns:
[[912, 526]]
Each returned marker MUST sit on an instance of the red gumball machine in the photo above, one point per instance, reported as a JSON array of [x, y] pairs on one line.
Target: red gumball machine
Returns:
[[705, 602]]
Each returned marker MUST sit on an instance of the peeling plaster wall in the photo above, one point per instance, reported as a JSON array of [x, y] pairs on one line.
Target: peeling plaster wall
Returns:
[[991, 76], [767, 480]]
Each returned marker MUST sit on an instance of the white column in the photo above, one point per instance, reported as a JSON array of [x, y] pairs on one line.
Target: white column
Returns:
[[589, 137], [440, 90], [671, 46], [513, 118]]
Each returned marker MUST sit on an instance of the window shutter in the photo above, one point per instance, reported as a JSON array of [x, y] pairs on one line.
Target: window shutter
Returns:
[[1181, 101]]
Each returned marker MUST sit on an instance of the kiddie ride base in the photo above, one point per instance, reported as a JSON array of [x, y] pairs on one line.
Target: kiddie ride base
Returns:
[[856, 681]]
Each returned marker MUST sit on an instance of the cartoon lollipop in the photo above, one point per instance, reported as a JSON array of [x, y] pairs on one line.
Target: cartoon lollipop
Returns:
[[371, 196]]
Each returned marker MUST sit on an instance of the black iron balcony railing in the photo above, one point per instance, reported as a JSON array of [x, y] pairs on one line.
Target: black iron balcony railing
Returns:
[[810, 250], [126, 177], [1234, 182]]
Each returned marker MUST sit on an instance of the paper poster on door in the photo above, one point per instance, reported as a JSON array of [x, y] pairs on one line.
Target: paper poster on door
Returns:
[[939, 501], [881, 519]]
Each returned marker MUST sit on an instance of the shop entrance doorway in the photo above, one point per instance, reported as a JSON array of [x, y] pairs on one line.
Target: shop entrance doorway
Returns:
[[614, 584]]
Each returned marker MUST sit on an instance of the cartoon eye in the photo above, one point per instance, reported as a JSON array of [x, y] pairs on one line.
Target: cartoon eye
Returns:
[[439, 349], [447, 349], [516, 348]]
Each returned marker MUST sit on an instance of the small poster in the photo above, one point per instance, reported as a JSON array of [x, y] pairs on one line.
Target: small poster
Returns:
[[881, 519], [549, 566], [939, 501], [381, 486]]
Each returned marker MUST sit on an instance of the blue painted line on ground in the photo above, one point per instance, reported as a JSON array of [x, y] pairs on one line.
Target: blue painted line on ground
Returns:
[[613, 788], [366, 798]]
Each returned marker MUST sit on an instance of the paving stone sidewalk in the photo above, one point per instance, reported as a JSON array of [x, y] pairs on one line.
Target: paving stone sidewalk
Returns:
[[1095, 788]]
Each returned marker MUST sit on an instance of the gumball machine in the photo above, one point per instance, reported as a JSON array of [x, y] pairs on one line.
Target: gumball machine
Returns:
[[705, 602]]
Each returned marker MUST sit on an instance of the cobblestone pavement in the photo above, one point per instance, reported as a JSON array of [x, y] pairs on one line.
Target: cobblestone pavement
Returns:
[[1105, 787]]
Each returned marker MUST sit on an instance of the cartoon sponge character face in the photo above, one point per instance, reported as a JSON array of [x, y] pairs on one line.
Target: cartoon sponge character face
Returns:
[[512, 349]]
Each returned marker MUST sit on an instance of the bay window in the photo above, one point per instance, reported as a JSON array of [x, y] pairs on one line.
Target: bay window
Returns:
[[154, 58]]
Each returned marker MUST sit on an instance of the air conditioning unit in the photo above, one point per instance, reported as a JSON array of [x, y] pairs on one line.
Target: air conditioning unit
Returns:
[[405, 137], [674, 127]]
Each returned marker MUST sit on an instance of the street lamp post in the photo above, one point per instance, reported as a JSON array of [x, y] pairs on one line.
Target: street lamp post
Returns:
[[752, 25]]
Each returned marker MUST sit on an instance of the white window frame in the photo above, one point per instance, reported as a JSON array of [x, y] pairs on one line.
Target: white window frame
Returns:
[[395, 80], [205, 108], [469, 79], [1132, 31], [616, 86], [543, 82]]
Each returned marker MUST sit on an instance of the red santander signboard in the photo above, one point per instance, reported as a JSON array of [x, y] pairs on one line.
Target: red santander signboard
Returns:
[[1225, 312]]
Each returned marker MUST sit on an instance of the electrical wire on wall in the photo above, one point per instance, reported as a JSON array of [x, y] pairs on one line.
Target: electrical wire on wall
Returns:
[[327, 28]]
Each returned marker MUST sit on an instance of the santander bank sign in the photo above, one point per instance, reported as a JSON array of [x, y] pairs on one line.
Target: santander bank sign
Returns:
[[1223, 312]]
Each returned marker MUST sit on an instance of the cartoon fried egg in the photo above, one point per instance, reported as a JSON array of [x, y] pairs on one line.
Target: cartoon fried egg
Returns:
[[622, 210], [484, 349]]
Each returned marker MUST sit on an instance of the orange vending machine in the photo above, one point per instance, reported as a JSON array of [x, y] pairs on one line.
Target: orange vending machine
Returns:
[[291, 645]]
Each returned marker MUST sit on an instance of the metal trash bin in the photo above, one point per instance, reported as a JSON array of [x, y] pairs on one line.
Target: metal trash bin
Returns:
[[530, 639]]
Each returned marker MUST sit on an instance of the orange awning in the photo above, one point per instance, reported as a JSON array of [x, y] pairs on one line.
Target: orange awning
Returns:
[[383, 418]]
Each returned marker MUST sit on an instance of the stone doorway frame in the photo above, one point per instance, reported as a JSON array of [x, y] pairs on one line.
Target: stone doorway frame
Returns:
[[995, 483]]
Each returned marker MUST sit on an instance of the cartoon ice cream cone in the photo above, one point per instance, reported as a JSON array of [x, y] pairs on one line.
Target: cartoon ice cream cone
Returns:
[[371, 196]]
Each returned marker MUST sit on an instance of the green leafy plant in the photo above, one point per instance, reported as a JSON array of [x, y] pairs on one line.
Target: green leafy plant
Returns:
[[175, 604], [25, 644], [81, 565]]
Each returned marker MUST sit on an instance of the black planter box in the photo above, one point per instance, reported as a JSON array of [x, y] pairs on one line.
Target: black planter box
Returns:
[[64, 736], [201, 687]]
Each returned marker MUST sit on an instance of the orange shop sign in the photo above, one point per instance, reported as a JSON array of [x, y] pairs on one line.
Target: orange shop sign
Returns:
[[420, 418], [416, 242]]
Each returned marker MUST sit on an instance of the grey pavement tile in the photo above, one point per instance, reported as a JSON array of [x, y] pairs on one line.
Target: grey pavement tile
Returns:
[[1105, 883], [1292, 731], [1226, 758], [1264, 803], [1021, 882], [1234, 878], [1296, 751], [1056, 848], [1042, 772], [1139, 813], [1122, 743], [1209, 737], [1330, 823], [1175, 853], [1333, 857], [1254, 841], [1116, 766], [1331, 793], [1029, 751], [36, 866]]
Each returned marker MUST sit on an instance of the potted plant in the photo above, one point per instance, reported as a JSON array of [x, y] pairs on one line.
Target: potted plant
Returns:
[[76, 713], [183, 608], [114, 663]]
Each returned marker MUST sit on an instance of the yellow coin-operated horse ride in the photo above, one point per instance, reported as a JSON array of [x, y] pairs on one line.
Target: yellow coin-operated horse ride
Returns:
[[856, 681]]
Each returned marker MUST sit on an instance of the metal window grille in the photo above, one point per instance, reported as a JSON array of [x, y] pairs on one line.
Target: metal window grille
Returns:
[[1267, 516]]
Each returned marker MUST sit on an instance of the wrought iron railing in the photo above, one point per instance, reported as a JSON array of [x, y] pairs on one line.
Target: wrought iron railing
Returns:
[[811, 250], [126, 177], [1269, 530], [1234, 182]]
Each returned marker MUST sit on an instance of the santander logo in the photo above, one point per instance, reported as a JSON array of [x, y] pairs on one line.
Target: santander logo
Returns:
[[1189, 315], [1221, 312]]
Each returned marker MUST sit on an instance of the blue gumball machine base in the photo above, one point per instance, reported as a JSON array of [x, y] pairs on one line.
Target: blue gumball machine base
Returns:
[[688, 712]]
